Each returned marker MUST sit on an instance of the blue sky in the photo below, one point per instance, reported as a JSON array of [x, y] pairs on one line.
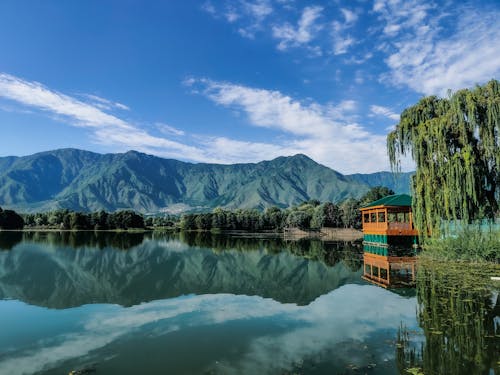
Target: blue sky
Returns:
[[233, 81]]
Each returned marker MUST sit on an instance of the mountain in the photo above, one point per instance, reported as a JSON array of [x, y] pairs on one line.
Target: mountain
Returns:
[[87, 181], [398, 182]]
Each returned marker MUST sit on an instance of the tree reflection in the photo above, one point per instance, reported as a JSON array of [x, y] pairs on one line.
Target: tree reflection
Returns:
[[457, 311], [10, 239], [79, 239], [64, 269]]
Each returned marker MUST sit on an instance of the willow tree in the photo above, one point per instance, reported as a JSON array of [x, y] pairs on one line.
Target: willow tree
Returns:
[[454, 142]]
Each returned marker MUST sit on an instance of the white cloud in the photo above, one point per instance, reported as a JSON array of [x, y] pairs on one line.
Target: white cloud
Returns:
[[327, 133], [36, 95], [258, 8], [106, 128], [105, 103], [429, 61], [349, 15], [341, 44], [232, 16], [305, 31], [209, 8], [379, 110], [169, 130], [342, 41], [249, 14]]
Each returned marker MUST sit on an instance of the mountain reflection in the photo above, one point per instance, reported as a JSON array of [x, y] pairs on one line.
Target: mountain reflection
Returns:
[[66, 269]]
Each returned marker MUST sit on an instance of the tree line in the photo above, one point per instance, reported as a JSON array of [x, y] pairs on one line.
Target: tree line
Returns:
[[101, 220], [310, 215]]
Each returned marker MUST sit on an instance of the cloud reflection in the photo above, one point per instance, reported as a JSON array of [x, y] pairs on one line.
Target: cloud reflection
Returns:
[[352, 312]]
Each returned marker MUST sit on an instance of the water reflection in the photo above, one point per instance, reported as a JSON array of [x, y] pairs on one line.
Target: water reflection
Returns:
[[459, 312], [66, 269], [223, 334], [389, 272], [10, 239], [199, 303]]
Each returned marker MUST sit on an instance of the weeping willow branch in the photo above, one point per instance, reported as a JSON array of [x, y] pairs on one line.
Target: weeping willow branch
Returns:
[[455, 145]]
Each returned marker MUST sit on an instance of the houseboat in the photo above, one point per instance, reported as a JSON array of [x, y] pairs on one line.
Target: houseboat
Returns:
[[388, 223], [389, 242]]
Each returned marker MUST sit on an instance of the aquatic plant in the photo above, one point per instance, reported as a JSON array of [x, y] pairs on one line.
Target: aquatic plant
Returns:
[[457, 306]]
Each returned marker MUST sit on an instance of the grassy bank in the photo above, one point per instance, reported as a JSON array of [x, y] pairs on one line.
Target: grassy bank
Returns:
[[468, 244]]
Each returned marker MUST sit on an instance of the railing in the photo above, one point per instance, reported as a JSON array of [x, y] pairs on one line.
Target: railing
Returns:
[[400, 226], [372, 226]]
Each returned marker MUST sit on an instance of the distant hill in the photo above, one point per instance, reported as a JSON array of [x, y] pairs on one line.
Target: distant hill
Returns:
[[398, 182], [87, 181]]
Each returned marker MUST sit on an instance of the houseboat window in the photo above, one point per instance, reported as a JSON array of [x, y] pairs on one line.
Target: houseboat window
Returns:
[[392, 217], [383, 273], [366, 218], [373, 217], [368, 268], [381, 217], [375, 271]]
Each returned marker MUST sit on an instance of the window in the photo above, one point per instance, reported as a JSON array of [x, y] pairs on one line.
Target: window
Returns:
[[383, 273], [373, 217], [381, 217], [366, 218], [368, 269]]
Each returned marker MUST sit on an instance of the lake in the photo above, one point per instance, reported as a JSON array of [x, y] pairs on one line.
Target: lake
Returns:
[[191, 303]]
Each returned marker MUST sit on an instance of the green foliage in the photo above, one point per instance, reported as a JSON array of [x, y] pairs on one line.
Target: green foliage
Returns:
[[351, 217], [299, 219], [470, 243], [10, 220], [375, 193], [65, 219], [457, 312], [309, 215], [455, 144]]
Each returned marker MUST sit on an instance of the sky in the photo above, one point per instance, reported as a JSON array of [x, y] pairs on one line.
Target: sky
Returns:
[[233, 81]]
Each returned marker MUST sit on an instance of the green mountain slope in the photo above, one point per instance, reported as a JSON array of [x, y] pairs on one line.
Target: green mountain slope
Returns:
[[82, 180], [398, 182]]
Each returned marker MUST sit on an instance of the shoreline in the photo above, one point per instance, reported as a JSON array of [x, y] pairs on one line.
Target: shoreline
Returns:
[[325, 234]]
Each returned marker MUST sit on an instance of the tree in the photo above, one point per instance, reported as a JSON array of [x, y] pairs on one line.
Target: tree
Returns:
[[375, 193], [10, 220], [333, 215], [78, 221], [350, 213], [273, 218], [318, 217], [455, 145], [299, 219]]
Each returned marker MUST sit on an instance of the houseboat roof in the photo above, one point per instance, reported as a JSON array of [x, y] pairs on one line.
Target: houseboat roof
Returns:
[[397, 200]]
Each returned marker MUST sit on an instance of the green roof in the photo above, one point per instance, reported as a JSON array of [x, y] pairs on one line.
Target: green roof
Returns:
[[401, 200]]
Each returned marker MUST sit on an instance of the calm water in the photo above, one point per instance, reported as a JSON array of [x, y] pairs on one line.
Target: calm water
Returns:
[[201, 304]]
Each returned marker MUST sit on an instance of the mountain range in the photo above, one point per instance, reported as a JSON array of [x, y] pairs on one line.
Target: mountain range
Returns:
[[87, 181]]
